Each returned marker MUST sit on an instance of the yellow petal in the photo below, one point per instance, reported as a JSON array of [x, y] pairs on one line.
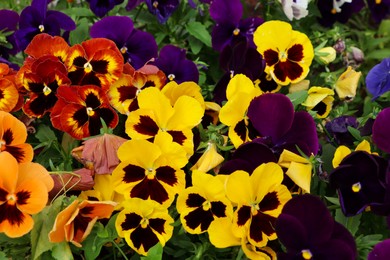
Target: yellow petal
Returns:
[[209, 159], [241, 83], [264, 178], [347, 84], [363, 146], [139, 152], [239, 188], [221, 234], [340, 153], [188, 113]]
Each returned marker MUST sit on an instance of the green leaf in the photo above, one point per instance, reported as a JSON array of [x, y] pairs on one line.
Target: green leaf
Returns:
[[154, 253], [199, 31], [78, 11], [61, 251], [351, 223], [332, 200], [195, 45], [298, 97], [355, 133], [3, 256], [45, 134], [378, 54], [81, 33], [43, 223]]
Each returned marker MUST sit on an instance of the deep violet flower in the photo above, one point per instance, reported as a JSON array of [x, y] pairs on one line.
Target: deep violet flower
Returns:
[[131, 4], [380, 9], [359, 180], [136, 46], [102, 7], [280, 127], [312, 234], [162, 9], [172, 61], [337, 10], [381, 251], [378, 79], [8, 23], [37, 19], [338, 129], [381, 129], [229, 25]]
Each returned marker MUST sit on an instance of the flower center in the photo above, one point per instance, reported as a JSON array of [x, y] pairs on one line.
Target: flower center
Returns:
[[150, 173], [333, 11], [41, 28], [378, 2], [171, 77], [124, 49], [155, 4], [254, 208], [236, 32], [306, 254], [2, 145], [46, 90], [90, 111], [144, 223], [87, 67], [282, 56], [206, 205], [356, 187], [11, 199]]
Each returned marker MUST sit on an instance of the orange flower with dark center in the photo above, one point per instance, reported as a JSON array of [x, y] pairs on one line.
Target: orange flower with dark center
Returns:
[[9, 95], [23, 191], [13, 135], [47, 74], [79, 111], [94, 62]]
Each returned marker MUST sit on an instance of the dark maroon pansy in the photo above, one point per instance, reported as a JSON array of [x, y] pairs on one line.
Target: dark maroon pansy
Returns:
[[379, 9], [338, 132], [381, 251], [329, 14], [313, 233]]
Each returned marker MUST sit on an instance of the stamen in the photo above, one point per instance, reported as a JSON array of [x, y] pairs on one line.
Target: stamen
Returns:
[[306, 254], [90, 111], [171, 77], [144, 223], [87, 67], [206, 205], [11, 199], [283, 56], [356, 187], [46, 90], [123, 49], [236, 32], [155, 4], [41, 28], [378, 2], [333, 11], [150, 174]]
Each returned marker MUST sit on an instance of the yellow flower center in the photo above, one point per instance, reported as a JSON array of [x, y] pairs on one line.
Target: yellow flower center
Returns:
[[90, 111], [144, 223], [124, 50], [155, 4], [378, 2], [11, 199], [306, 254], [46, 90], [87, 67], [254, 208], [333, 11], [282, 56], [171, 77], [41, 28], [236, 32], [206, 205], [356, 187], [150, 173]]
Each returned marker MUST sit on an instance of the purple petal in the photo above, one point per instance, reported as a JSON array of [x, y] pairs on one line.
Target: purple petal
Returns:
[[40, 6], [115, 28], [271, 115], [381, 251], [65, 22], [222, 35], [141, 47], [9, 20], [303, 133], [133, 4], [378, 79], [291, 232], [163, 9], [248, 26], [30, 17], [226, 12], [335, 249], [24, 36], [381, 130]]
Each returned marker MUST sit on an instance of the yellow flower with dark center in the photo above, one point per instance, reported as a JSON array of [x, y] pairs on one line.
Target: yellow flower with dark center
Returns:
[[143, 224], [288, 53], [200, 204], [156, 114], [150, 171], [320, 100], [239, 92], [260, 198], [174, 91]]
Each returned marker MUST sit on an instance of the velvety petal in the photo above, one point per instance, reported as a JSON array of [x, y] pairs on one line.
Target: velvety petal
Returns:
[[380, 130], [226, 12], [272, 115], [141, 47], [291, 232], [9, 20], [222, 35], [65, 22], [381, 251], [115, 28]]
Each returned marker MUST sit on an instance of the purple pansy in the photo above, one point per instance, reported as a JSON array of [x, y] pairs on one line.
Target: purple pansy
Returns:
[[379, 9], [136, 46], [378, 79], [337, 10], [162, 9], [381, 130], [8, 23], [280, 127], [238, 58], [102, 7], [360, 180], [37, 19], [229, 25], [172, 61], [381, 251], [337, 128], [308, 231], [131, 4]]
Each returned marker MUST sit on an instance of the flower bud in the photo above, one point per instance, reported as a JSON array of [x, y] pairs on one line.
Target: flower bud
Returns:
[[327, 55]]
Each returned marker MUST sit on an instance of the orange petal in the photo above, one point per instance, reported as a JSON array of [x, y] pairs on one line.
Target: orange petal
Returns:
[[15, 230], [36, 198], [23, 153], [99, 209], [9, 95], [44, 44], [9, 174], [59, 232], [35, 171]]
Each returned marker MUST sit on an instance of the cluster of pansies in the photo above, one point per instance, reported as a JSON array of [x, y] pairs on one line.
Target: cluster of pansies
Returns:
[[220, 129]]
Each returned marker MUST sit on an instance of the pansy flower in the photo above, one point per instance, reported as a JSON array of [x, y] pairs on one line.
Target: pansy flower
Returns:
[[381, 251], [288, 54], [8, 24], [44, 44], [209, 159], [143, 224], [338, 132], [172, 61], [47, 74], [380, 9], [308, 231], [347, 84], [151, 171], [260, 198], [162, 9], [80, 109], [75, 222], [378, 79], [123, 93], [359, 178], [36, 19], [380, 130], [137, 47], [9, 94], [295, 9], [319, 100], [94, 62], [338, 10], [229, 25], [203, 202], [23, 191], [13, 135], [156, 114], [102, 7]]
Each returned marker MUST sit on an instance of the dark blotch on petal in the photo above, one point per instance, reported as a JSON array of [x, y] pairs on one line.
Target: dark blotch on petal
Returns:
[[320, 108], [240, 130], [132, 221], [133, 173], [100, 66], [199, 217], [218, 209], [157, 224], [11, 213], [145, 237], [167, 175], [8, 136], [92, 101], [146, 126], [261, 223], [177, 136], [244, 214], [3, 194], [16, 152], [22, 197], [194, 200], [295, 53], [269, 202], [150, 189], [271, 57], [127, 92]]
